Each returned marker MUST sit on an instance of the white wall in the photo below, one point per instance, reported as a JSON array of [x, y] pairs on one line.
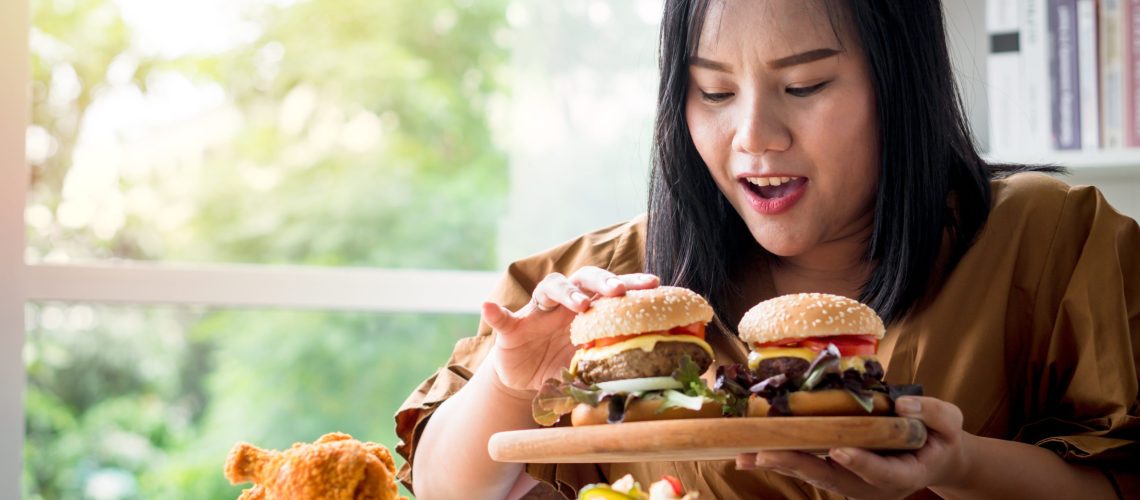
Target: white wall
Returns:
[[966, 35], [583, 77]]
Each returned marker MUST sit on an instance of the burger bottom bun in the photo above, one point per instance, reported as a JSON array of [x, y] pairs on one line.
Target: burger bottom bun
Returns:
[[826, 403], [641, 410]]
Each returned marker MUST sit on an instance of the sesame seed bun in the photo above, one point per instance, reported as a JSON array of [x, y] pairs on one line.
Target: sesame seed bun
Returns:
[[642, 410], [640, 311], [807, 315], [826, 403]]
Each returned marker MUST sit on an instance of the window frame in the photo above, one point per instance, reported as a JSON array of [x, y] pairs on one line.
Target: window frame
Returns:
[[262, 286]]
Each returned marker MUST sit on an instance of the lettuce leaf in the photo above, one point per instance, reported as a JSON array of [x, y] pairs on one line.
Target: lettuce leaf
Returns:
[[677, 399], [689, 375], [865, 399], [733, 383], [559, 397], [553, 400], [826, 362]]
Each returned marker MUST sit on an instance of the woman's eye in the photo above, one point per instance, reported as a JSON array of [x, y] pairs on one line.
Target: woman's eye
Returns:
[[715, 97], [806, 91]]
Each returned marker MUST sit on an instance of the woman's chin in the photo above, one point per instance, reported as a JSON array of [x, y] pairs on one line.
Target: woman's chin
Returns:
[[780, 245]]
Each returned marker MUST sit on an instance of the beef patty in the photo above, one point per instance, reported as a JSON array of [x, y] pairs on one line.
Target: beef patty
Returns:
[[662, 361]]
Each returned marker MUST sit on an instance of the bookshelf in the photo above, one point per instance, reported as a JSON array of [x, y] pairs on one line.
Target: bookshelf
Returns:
[[1116, 172], [1114, 162]]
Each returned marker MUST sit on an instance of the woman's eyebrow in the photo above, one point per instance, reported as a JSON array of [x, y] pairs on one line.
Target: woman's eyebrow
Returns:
[[802, 58], [783, 62], [701, 62]]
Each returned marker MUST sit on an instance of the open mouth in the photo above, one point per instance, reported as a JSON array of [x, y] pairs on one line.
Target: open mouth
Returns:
[[771, 188]]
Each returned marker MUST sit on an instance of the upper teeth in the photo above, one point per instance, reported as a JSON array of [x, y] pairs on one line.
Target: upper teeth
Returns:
[[770, 181]]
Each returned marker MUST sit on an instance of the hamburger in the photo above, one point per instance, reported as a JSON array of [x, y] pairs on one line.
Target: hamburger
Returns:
[[639, 357], [812, 354]]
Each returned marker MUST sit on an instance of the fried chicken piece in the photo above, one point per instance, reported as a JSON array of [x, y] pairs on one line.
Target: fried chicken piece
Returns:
[[334, 467]]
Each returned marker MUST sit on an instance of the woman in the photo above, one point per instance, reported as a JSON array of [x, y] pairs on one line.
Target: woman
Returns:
[[820, 146]]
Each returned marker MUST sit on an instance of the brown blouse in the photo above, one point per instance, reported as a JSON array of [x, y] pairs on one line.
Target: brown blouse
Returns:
[[1035, 336]]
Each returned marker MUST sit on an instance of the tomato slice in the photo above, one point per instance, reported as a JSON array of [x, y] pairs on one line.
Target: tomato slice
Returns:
[[612, 340], [695, 329], [675, 483], [778, 343], [848, 345]]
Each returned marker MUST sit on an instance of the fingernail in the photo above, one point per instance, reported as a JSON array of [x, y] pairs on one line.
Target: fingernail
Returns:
[[644, 278], [613, 283], [579, 297], [908, 405], [760, 461], [840, 456]]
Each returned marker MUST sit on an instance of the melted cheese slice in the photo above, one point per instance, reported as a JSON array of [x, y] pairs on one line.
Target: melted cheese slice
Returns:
[[846, 362], [643, 342]]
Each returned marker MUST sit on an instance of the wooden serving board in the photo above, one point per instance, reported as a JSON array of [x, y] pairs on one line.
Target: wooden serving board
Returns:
[[703, 439]]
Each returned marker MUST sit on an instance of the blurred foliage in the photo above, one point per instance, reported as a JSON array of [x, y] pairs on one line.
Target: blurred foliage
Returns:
[[362, 138]]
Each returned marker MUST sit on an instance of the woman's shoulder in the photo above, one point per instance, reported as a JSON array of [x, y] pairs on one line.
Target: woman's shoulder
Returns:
[[1036, 202], [1028, 194], [1037, 205]]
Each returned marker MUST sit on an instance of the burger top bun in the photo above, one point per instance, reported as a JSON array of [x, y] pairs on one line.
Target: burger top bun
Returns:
[[808, 315], [640, 311]]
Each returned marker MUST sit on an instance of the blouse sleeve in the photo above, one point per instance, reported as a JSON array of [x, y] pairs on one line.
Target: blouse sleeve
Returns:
[[617, 248], [1083, 383]]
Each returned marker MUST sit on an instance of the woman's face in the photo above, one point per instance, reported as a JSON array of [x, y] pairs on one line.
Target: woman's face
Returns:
[[783, 114]]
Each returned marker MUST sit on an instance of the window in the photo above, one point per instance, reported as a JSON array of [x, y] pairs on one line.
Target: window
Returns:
[[146, 402], [270, 219]]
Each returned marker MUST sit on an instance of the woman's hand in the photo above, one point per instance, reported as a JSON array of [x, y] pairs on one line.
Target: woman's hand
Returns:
[[857, 473], [533, 343]]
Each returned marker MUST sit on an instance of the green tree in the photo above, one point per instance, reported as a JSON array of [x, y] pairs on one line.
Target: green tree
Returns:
[[391, 163]]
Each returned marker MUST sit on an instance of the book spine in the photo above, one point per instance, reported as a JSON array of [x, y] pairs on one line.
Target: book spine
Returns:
[[1004, 89], [1111, 73], [1064, 100], [1037, 130], [1088, 76], [1132, 75]]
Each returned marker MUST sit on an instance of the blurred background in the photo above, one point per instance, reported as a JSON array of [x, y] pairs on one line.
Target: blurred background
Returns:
[[446, 135], [321, 140]]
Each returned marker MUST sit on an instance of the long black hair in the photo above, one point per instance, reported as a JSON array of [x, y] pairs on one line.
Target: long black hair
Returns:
[[927, 157]]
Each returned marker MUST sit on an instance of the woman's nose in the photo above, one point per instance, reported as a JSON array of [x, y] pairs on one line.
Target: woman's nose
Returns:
[[759, 130]]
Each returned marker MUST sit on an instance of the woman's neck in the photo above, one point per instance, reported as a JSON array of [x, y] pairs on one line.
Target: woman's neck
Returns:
[[838, 267], [824, 273]]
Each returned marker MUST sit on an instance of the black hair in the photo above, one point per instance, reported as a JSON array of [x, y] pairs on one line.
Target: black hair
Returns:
[[927, 158]]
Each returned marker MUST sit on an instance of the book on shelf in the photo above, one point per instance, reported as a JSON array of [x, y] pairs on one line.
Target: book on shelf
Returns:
[[1064, 98], [1132, 73], [1064, 75]]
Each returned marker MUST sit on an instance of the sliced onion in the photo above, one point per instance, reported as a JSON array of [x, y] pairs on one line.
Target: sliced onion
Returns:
[[640, 384]]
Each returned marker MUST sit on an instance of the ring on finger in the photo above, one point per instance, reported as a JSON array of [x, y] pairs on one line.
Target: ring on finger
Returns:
[[544, 308]]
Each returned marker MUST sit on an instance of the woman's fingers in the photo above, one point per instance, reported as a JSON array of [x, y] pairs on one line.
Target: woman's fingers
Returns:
[[640, 281], [820, 473], [607, 284], [577, 291], [877, 470], [746, 461], [555, 290], [939, 416], [599, 281], [498, 317]]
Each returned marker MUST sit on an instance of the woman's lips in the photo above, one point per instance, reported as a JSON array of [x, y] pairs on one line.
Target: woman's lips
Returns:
[[773, 199]]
